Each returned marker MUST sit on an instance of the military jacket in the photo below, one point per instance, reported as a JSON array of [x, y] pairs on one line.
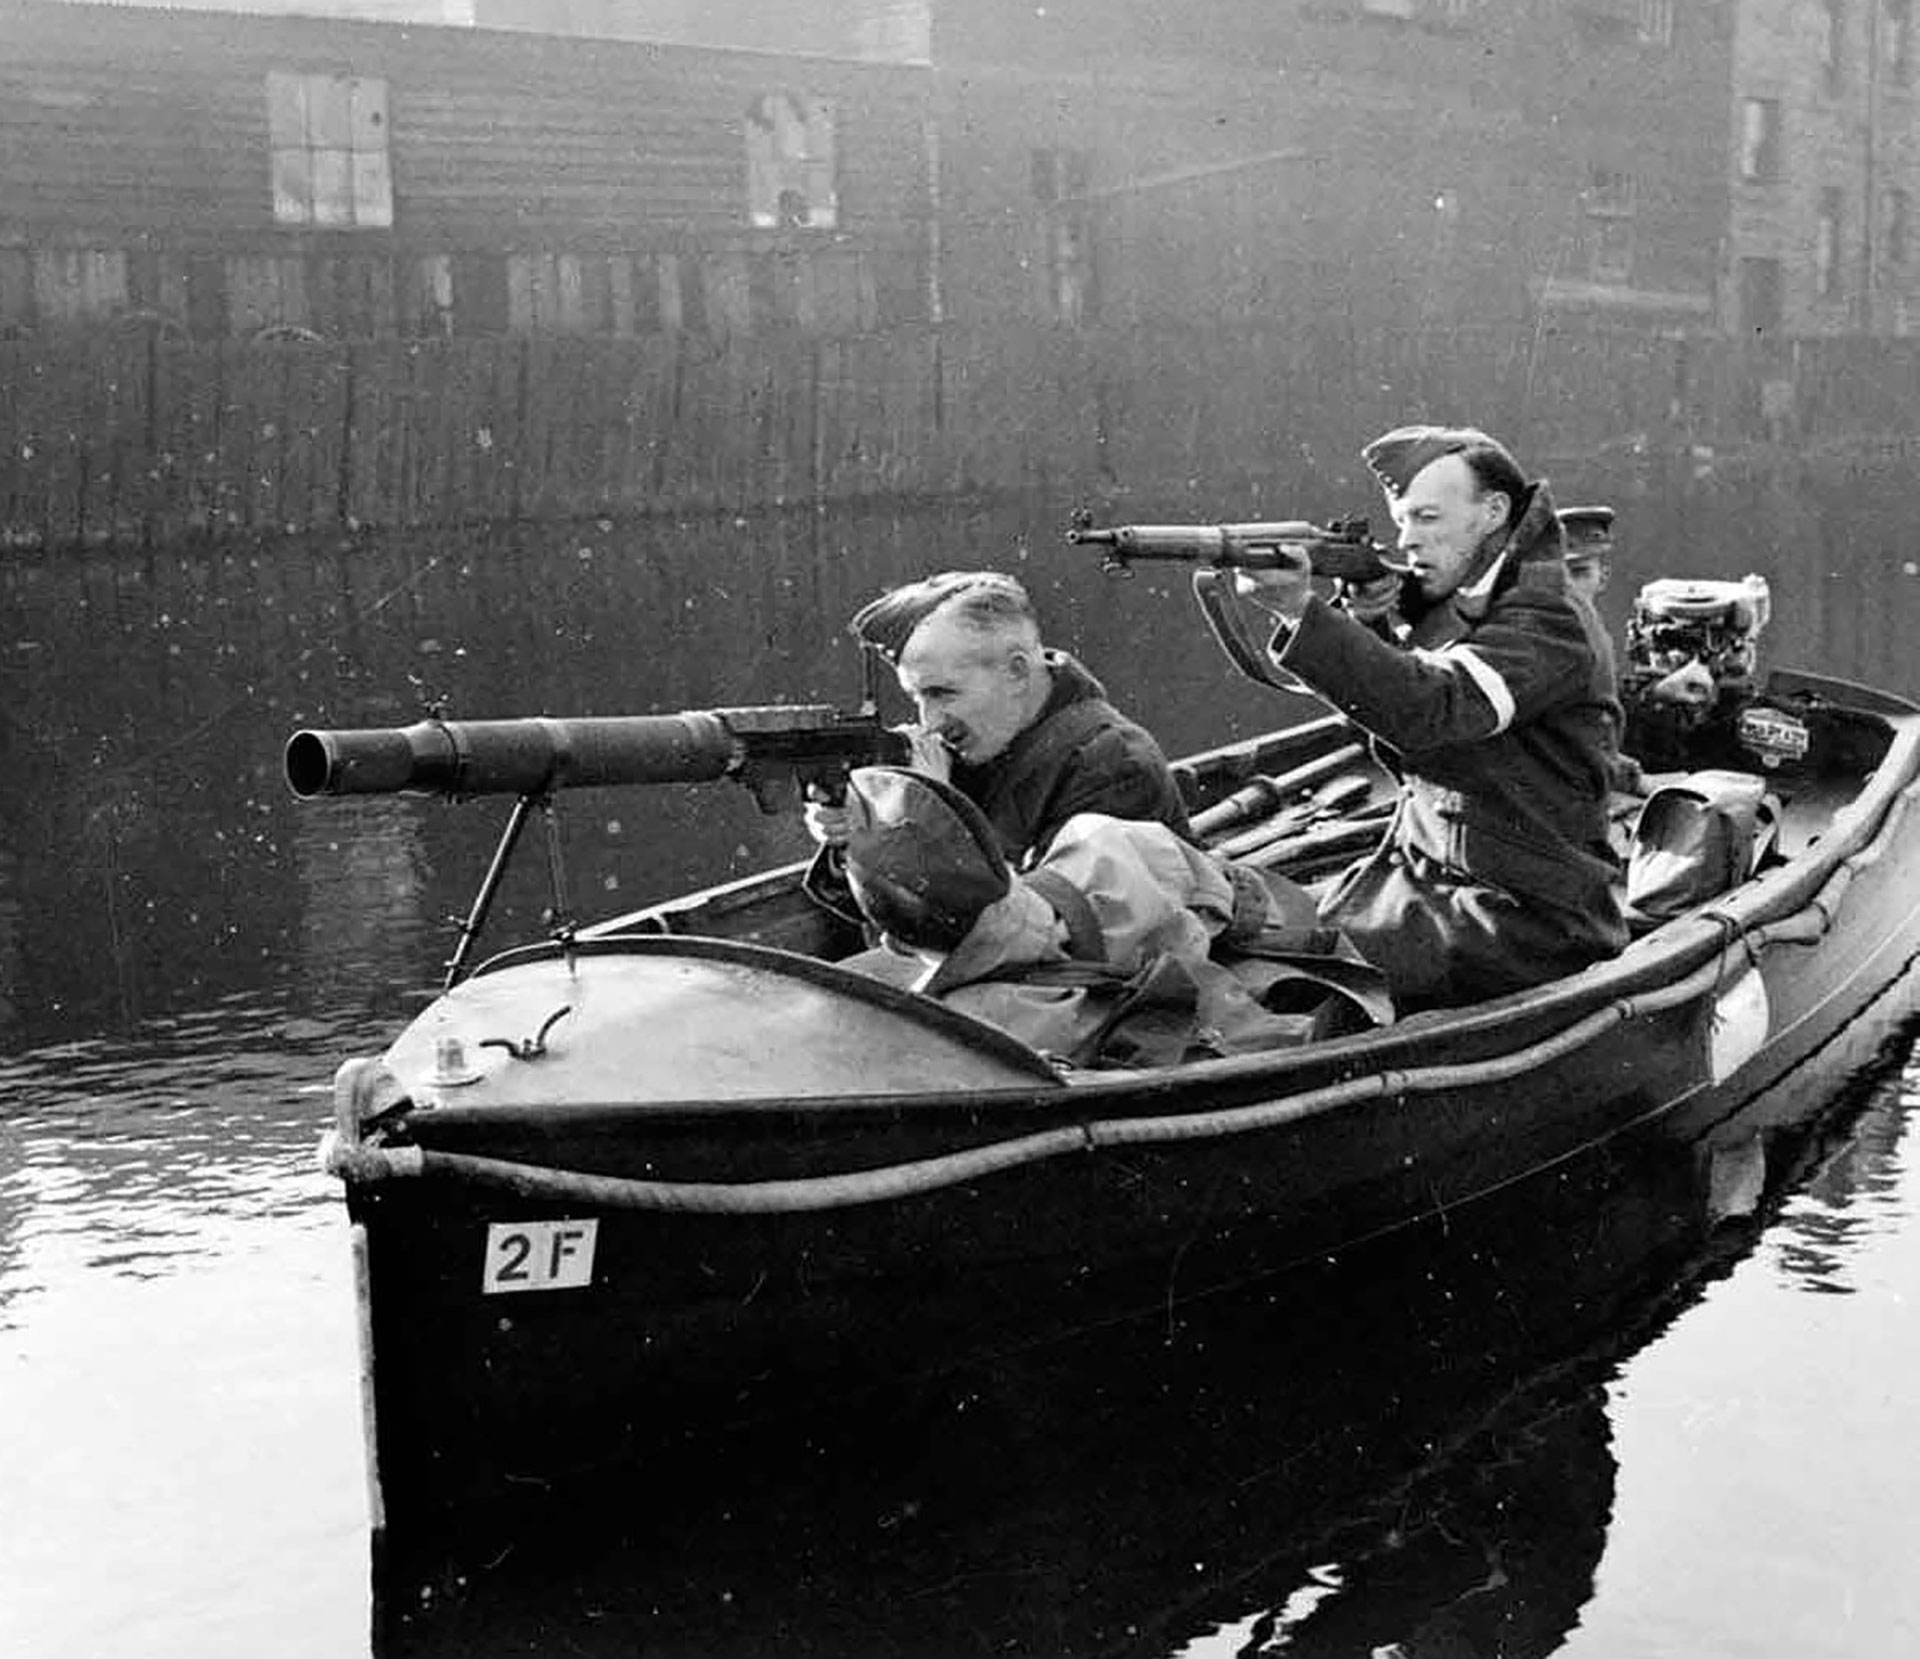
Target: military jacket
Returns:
[[1497, 710], [1080, 755]]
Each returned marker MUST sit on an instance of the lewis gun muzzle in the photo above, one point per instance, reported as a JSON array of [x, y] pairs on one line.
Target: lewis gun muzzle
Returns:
[[815, 745]]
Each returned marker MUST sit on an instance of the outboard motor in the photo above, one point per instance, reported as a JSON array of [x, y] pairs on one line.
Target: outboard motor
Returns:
[[1691, 667]]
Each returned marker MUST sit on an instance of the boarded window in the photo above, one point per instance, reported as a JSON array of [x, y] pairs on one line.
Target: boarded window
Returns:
[[480, 297], [1656, 22], [1897, 48], [790, 163], [1897, 232], [427, 298], [72, 285], [690, 293], [331, 166], [1610, 211], [546, 294], [637, 303], [206, 296], [1759, 139], [265, 291], [1761, 290], [1826, 246]]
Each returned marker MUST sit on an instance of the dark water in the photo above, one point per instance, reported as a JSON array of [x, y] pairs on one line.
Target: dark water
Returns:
[[185, 955]]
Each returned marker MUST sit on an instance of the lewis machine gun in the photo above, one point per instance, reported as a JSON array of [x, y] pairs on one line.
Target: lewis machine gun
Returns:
[[771, 749]]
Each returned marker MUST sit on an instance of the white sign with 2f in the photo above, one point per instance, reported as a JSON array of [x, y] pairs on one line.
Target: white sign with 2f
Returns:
[[538, 1255]]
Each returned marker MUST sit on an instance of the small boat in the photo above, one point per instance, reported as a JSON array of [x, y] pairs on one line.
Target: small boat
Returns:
[[682, 1167]]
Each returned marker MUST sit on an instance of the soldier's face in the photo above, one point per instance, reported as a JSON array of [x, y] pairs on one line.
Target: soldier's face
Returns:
[[970, 689], [1587, 576], [1444, 519]]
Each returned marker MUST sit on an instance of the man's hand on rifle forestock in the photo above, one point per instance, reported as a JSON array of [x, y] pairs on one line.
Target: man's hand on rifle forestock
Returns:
[[1283, 588]]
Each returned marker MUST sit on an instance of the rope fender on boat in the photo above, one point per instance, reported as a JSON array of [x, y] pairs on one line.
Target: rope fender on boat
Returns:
[[363, 1086]]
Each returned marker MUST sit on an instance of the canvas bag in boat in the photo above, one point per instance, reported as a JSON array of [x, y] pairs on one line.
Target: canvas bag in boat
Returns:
[[1695, 839]]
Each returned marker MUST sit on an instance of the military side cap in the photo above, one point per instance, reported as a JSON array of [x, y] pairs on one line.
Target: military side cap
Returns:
[[922, 860], [1587, 530], [887, 622], [1397, 457]]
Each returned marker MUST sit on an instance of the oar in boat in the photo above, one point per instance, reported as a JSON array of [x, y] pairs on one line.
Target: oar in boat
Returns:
[[1329, 800], [1264, 795], [1322, 845]]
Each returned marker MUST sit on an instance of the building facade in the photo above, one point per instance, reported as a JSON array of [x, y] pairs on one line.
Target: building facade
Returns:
[[1823, 170], [1396, 162], [1737, 167], [222, 176]]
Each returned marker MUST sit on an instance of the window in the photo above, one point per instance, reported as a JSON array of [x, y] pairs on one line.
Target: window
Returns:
[[1761, 286], [72, 285], [329, 140], [1610, 208], [1834, 44], [1826, 246], [1760, 139], [790, 172], [1656, 22], [1896, 234], [1896, 46]]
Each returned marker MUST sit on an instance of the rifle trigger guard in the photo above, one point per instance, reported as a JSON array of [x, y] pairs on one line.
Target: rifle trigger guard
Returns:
[[1227, 619]]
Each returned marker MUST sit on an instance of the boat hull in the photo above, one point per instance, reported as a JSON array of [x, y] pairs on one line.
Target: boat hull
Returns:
[[753, 1260]]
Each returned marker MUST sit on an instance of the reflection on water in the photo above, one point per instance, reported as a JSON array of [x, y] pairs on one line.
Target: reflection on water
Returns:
[[1860, 1197], [1774, 1426], [126, 1158], [180, 1426], [1505, 1453]]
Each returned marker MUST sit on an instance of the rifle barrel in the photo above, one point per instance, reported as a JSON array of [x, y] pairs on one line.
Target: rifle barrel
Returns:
[[1216, 543], [494, 757]]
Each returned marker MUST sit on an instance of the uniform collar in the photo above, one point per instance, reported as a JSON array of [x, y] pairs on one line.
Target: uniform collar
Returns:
[[1472, 601]]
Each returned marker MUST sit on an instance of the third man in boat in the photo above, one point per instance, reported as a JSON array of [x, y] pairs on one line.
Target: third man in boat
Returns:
[[1486, 687]]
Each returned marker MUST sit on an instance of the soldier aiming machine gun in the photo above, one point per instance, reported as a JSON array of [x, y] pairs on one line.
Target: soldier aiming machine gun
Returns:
[[1343, 550], [769, 749]]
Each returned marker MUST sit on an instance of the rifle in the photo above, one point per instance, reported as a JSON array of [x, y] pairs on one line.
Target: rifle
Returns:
[[1344, 548], [765, 748]]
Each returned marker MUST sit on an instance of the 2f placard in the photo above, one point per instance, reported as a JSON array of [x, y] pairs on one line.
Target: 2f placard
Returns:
[[538, 1255]]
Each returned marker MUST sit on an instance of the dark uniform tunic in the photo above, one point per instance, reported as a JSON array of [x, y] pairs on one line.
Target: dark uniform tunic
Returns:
[[1497, 711], [1080, 755]]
